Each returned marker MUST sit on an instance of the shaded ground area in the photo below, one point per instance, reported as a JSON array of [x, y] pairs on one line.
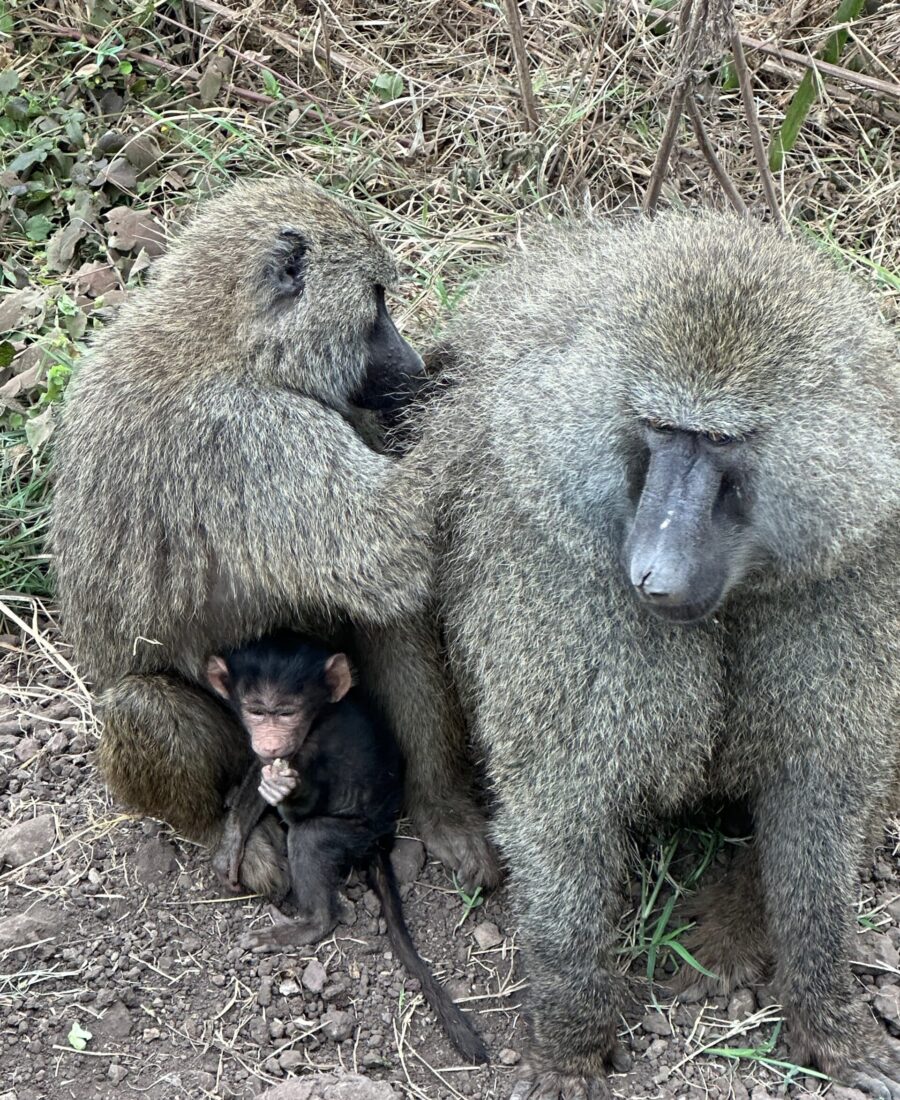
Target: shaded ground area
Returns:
[[132, 942]]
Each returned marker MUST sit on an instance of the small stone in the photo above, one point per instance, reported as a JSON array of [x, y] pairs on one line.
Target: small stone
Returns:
[[26, 749], [885, 954], [487, 935], [27, 840], [116, 1073], [264, 994], [407, 858], [314, 977], [887, 1004], [839, 1092], [741, 1005], [291, 1060], [259, 1031], [22, 929], [656, 1024], [287, 988], [58, 743], [114, 1024], [151, 1034], [371, 903], [349, 1086], [509, 1057], [153, 861], [338, 1025]]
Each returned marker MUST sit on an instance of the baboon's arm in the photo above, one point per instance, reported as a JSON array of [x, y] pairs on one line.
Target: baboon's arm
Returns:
[[303, 505]]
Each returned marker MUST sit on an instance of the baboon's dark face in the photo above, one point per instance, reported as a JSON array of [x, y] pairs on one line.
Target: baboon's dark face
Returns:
[[393, 368], [690, 539]]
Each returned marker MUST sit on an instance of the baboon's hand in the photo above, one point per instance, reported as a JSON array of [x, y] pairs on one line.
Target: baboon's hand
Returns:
[[310, 929], [876, 1074], [538, 1081], [463, 846], [549, 1085], [277, 782]]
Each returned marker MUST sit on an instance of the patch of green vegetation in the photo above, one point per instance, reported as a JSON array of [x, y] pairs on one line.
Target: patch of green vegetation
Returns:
[[470, 901], [672, 870], [24, 515]]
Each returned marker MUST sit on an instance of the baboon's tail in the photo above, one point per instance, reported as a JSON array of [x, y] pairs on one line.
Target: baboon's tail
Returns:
[[454, 1022]]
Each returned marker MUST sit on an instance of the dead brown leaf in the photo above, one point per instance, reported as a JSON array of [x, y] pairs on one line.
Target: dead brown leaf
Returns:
[[21, 309], [130, 229]]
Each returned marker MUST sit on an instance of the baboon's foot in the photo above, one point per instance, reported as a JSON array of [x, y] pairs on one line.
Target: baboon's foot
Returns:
[[537, 1081], [312, 928], [549, 1085], [263, 867], [866, 1059], [225, 858], [729, 937], [461, 843]]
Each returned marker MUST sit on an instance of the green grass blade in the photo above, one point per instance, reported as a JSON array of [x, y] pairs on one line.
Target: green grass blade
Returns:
[[806, 94]]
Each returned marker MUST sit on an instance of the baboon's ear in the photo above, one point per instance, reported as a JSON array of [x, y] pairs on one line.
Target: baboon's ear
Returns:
[[287, 265], [338, 676], [217, 674]]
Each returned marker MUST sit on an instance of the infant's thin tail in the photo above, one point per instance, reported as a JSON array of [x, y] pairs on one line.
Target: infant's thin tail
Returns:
[[453, 1020]]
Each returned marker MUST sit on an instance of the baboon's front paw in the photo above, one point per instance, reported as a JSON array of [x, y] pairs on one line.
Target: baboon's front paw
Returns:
[[550, 1085], [876, 1073], [291, 933], [464, 848], [226, 861]]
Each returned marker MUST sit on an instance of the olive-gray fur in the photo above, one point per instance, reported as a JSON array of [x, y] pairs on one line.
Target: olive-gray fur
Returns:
[[211, 486], [598, 719]]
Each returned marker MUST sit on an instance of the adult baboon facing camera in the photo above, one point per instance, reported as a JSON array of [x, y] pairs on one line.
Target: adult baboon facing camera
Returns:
[[210, 485], [669, 491]]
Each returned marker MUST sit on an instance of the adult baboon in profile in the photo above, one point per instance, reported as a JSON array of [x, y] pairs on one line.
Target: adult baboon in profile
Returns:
[[669, 491], [210, 486]]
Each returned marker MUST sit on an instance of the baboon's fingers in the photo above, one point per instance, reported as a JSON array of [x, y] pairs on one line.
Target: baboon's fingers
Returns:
[[465, 849], [301, 931], [549, 1085], [879, 1074], [619, 1059]]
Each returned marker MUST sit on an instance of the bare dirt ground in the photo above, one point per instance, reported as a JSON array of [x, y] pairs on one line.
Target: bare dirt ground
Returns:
[[117, 928]]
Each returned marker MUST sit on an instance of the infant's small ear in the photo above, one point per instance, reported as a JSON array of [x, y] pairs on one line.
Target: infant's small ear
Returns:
[[338, 676], [286, 267], [217, 675]]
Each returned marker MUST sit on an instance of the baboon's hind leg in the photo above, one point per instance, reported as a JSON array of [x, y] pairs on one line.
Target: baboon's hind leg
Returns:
[[729, 937], [169, 750], [404, 669]]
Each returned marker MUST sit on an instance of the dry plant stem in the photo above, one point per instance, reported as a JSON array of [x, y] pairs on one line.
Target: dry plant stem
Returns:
[[759, 150], [658, 175], [712, 159], [824, 68], [292, 45], [791, 57], [517, 38]]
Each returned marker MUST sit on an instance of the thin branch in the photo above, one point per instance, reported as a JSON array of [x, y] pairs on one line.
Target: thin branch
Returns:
[[759, 149], [517, 39], [660, 166], [791, 57], [338, 58], [712, 159], [825, 68]]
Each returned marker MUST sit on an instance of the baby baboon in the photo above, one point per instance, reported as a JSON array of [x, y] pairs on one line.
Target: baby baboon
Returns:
[[670, 524], [334, 772], [210, 485]]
